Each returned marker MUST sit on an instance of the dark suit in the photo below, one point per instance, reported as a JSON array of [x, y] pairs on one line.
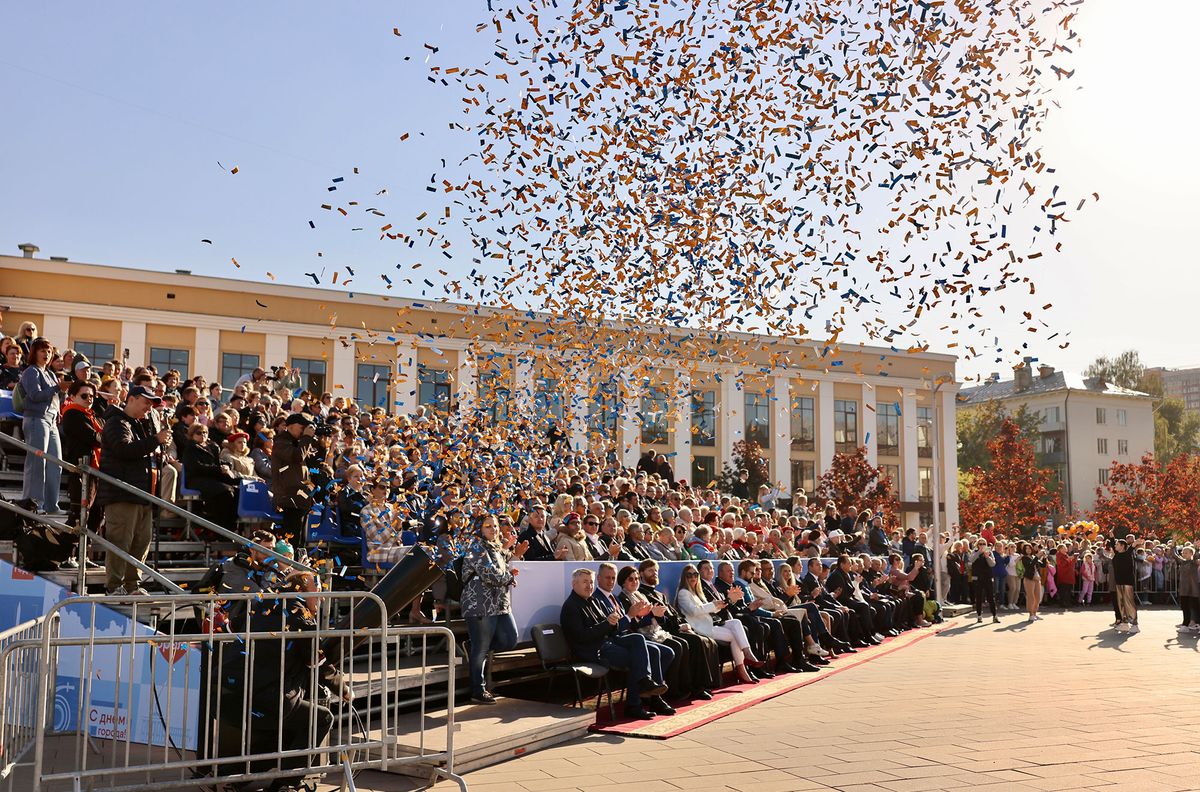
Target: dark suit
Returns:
[[839, 624], [760, 629], [839, 579], [697, 666], [540, 548], [593, 640]]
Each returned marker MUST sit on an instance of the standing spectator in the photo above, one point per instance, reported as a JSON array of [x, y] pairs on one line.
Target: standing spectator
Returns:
[[982, 563], [1124, 577], [127, 450], [1087, 575], [295, 452], [486, 602], [81, 432], [1029, 567], [43, 395], [1064, 574], [1189, 588]]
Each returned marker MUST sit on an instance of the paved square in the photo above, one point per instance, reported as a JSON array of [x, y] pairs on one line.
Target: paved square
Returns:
[[1062, 704]]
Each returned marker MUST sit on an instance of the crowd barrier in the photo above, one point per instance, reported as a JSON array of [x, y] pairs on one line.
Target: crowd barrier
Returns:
[[129, 738], [1153, 590]]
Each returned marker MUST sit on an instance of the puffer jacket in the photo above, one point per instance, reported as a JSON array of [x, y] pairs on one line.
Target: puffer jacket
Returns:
[[127, 450]]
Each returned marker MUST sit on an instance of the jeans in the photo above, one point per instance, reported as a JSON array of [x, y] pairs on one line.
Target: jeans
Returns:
[[488, 634], [42, 480]]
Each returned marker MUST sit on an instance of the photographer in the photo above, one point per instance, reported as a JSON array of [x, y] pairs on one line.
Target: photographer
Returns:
[[296, 451]]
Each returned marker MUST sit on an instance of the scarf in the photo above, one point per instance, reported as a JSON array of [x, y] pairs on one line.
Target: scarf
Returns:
[[90, 417]]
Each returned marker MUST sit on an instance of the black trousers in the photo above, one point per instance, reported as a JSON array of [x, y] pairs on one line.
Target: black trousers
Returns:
[[774, 632], [863, 616], [292, 526], [983, 589], [699, 665]]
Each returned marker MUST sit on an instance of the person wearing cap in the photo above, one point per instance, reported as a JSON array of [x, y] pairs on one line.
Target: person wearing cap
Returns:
[[127, 449], [236, 455], [294, 453]]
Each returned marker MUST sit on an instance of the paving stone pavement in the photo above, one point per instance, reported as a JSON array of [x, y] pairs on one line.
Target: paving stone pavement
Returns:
[[1065, 703]]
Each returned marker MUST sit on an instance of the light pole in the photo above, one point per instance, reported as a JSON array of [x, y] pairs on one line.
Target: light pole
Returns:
[[938, 583]]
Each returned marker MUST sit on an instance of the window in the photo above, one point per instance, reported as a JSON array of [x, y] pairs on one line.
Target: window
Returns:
[[1101, 445], [1052, 444], [804, 424], [654, 415], [702, 470], [804, 475], [165, 359], [604, 410], [548, 399], [234, 366], [1052, 415], [1123, 447], [1122, 418], [433, 388], [371, 387], [845, 426], [1101, 415], [925, 431], [1103, 477], [887, 429], [758, 419], [704, 418], [96, 352], [312, 374], [493, 396], [925, 483], [892, 472]]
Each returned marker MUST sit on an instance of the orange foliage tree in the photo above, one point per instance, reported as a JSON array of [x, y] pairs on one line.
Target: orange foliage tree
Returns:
[[1015, 492], [853, 481], [1151, 497]]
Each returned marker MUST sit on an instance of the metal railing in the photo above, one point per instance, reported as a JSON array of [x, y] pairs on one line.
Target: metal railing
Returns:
[[86, 472], [193, 704], [18, 695]]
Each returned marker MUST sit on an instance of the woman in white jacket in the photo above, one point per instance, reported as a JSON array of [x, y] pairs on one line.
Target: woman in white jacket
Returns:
[[698, 609]]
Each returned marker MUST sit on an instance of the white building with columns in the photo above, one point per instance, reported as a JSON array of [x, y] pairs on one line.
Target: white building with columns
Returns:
[[800, 403]]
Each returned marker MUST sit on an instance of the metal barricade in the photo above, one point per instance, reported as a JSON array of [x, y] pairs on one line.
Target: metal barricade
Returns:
[[18, 695], [191, 704]]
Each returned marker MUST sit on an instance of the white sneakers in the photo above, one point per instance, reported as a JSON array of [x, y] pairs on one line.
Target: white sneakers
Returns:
[[1133, 629]]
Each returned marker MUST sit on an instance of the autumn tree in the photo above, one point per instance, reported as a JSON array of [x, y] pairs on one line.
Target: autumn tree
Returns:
[[1014, 492], [748, 456], [1151, 497], [853, 481], [976, 426]]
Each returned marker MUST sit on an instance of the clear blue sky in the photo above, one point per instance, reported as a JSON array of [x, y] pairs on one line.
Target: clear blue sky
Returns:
[[117, 115]]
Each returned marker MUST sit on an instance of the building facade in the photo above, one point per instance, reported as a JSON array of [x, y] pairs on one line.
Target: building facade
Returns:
[[1087, 424], [1181, 383], [791, 397]]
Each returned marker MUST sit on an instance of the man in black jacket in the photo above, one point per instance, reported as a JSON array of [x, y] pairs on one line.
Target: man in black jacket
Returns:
[[128, 446], [597, 635], [841, 585], [841, 619], [541, 548], [697, 667], [294, 453]]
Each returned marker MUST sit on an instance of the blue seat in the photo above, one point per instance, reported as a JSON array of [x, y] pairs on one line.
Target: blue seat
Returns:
[[324, 525], [184, 492], [254, 503], [6, 406]]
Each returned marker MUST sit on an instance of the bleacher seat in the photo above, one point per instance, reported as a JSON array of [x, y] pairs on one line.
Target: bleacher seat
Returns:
[[555, 656], [325, 525], [6, 407], [184, 492], [254, 503]]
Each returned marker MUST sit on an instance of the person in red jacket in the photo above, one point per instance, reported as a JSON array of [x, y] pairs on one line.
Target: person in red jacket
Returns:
[[1064, 575]]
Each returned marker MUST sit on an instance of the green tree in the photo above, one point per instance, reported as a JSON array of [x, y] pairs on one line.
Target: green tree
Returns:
[[1176, 431], [978, 426], [1124, 370]]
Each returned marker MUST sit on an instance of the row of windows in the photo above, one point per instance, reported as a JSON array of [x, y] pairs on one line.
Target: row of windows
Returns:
[[1102, 446], [1102, 416]]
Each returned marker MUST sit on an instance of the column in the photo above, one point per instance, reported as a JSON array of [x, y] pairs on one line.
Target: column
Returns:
[[681, 427], [731, 421], [948, 438], [629, 430], [133, 338], [870, 423], [825, 444], [523, 385], [466, 386], [57, 330], [908, 449], [345, 372], [207, 360], [781, 434], [404, 387], [581, 382], [275, 351]]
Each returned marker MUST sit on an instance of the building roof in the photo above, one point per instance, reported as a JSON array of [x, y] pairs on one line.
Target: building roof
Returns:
[[1055, 381]]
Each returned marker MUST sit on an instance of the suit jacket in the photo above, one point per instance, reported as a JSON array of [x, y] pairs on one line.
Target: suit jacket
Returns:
[[585, 625], [721, 616], [839, 579], [672, 619], [540, 548]]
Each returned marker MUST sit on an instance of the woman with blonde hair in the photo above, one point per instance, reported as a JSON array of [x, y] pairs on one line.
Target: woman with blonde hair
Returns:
[[699, 610]]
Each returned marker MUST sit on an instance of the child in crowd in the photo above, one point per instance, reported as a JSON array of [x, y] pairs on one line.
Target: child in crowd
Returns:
[[1087, 573]]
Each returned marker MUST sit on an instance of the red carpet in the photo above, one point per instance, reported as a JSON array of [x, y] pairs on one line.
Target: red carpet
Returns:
[[735, 698]]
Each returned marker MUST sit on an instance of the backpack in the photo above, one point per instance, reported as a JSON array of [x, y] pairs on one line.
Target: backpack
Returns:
[[18, 399]]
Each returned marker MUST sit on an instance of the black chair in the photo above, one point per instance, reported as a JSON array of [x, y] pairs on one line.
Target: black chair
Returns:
[[555, 656]]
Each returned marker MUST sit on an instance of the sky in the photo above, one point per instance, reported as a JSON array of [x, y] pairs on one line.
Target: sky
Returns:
[[123, 122]]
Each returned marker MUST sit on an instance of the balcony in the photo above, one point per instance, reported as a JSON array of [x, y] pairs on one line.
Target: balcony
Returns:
[[1052, 459]]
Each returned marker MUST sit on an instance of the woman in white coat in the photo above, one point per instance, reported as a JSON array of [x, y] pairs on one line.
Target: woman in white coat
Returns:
[[698, 609]]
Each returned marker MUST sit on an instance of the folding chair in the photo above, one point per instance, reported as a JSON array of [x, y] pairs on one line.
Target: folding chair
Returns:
[[555, 656]]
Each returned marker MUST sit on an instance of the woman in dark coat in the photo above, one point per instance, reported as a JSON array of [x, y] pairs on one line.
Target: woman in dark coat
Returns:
[[80, 432], [203, 471]]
